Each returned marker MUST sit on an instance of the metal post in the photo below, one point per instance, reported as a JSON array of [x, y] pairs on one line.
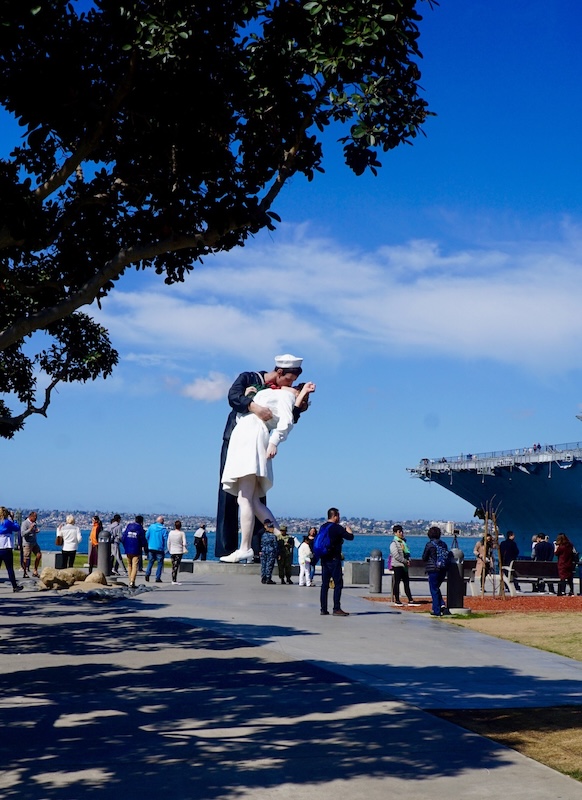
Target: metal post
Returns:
[[104, 553], [455, 579], [376, 571]]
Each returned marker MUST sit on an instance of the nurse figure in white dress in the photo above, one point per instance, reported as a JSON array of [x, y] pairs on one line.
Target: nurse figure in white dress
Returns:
[[248, 470]]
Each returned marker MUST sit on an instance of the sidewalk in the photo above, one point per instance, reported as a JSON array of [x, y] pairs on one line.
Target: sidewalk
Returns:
[[225, 688]]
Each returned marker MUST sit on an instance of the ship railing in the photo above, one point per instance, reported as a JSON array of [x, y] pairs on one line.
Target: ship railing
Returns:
[[501, 458]]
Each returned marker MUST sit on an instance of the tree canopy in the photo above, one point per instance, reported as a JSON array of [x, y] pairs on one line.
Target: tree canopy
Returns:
[[155, 133]]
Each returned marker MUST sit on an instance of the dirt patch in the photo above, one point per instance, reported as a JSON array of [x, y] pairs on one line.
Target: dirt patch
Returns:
[[526, 604]]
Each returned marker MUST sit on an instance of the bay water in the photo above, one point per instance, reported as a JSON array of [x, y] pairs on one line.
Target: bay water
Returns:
[[358, 550]]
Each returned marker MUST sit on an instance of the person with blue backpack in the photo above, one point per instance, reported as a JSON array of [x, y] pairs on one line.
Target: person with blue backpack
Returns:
[[437, 557], [328, 548]]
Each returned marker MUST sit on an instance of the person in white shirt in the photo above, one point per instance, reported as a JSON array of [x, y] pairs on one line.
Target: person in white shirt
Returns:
[[176, 547]]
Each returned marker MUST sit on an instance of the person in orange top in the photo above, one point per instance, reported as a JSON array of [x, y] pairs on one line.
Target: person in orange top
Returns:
[[96, 529]]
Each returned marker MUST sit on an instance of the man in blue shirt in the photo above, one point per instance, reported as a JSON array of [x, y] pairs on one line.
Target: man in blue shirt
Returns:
[[157, 538], [331, 564]]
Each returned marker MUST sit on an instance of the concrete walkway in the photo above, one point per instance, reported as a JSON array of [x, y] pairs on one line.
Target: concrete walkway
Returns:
[[225, 688]]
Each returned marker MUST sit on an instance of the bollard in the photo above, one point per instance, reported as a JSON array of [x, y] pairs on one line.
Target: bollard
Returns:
[[104, 553], [455, 582], [376, 571]]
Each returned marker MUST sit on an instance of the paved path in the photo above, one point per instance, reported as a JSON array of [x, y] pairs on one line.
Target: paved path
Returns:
[[224, 688]]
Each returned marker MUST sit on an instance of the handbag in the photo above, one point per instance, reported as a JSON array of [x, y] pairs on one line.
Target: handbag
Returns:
[[59, 541]]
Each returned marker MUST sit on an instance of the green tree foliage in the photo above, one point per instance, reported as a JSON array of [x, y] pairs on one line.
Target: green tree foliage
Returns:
[[155, 133]]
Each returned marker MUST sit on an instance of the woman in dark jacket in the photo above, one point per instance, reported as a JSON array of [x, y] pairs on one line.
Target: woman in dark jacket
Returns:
[[564, 550]]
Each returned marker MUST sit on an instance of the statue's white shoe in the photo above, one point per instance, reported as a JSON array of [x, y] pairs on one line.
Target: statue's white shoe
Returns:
[[238, 555]]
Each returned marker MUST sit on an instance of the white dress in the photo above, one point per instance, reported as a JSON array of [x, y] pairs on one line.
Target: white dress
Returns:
[[247, 449]]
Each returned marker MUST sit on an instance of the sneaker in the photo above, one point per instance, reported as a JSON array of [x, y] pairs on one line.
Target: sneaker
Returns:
[[270, 581], [412, 603], [397, 603], [174, 583], [434, 615], [159, 580], [324, 613], [147, 577], [340, 613], [289, 581], [17, 588], [445, 612]]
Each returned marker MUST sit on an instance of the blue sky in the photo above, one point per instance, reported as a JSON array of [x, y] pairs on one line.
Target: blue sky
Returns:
[[437, 306]]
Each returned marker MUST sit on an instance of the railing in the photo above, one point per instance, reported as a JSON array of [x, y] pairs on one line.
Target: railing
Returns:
[[521, 455]]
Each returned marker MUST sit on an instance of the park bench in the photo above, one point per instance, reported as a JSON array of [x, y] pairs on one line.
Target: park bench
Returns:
[[531, 572]]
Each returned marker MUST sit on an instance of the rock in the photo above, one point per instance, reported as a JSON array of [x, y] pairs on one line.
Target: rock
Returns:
[[51, 578], [96, 577]]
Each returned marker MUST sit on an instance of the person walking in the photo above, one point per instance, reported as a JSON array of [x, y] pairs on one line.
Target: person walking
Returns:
[[176, 547], [115, 529], [7, 528], [134, 542], [331, 562], [157, 538], [436, 556]]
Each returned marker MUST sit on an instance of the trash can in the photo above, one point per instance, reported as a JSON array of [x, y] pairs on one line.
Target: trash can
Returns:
[[376, 571], [455, 580], [104, 553]]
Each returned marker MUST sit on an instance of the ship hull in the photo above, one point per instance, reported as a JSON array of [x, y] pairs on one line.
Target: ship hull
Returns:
[[543, 496]]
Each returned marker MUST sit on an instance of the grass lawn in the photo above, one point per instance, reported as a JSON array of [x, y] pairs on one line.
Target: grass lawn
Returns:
[[552, 736]]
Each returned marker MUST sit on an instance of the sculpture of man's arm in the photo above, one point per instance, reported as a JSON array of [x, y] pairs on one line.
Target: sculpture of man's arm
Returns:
[[243, 403]]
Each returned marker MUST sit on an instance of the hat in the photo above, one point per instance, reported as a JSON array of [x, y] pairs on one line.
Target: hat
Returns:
[[282, 527], [287, 361]]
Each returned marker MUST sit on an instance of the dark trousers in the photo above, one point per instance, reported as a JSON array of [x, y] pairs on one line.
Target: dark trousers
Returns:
[[201, 549], [401, 576], [268, 555], [68, 558], [176, 558], [562, 585], [331, 569], [434, 583], [7, 557]]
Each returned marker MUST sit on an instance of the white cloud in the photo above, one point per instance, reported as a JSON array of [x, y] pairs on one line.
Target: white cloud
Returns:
[[514, 302], [214, 387]]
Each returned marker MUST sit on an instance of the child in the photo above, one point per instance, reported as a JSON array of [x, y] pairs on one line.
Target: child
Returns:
[[305, 556]]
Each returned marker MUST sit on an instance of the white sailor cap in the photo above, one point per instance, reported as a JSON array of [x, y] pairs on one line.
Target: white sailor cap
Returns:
[[287, 361]]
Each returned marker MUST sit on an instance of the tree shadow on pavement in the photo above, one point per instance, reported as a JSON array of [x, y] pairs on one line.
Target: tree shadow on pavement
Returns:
[[105, 701]]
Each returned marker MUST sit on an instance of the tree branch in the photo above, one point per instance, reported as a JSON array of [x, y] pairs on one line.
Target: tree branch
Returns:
[[90, 142], [89, 291], [15, 423], [286, 169]]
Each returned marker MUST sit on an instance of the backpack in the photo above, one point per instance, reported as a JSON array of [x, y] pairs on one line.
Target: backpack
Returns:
[[442, 558], [322, 542]]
